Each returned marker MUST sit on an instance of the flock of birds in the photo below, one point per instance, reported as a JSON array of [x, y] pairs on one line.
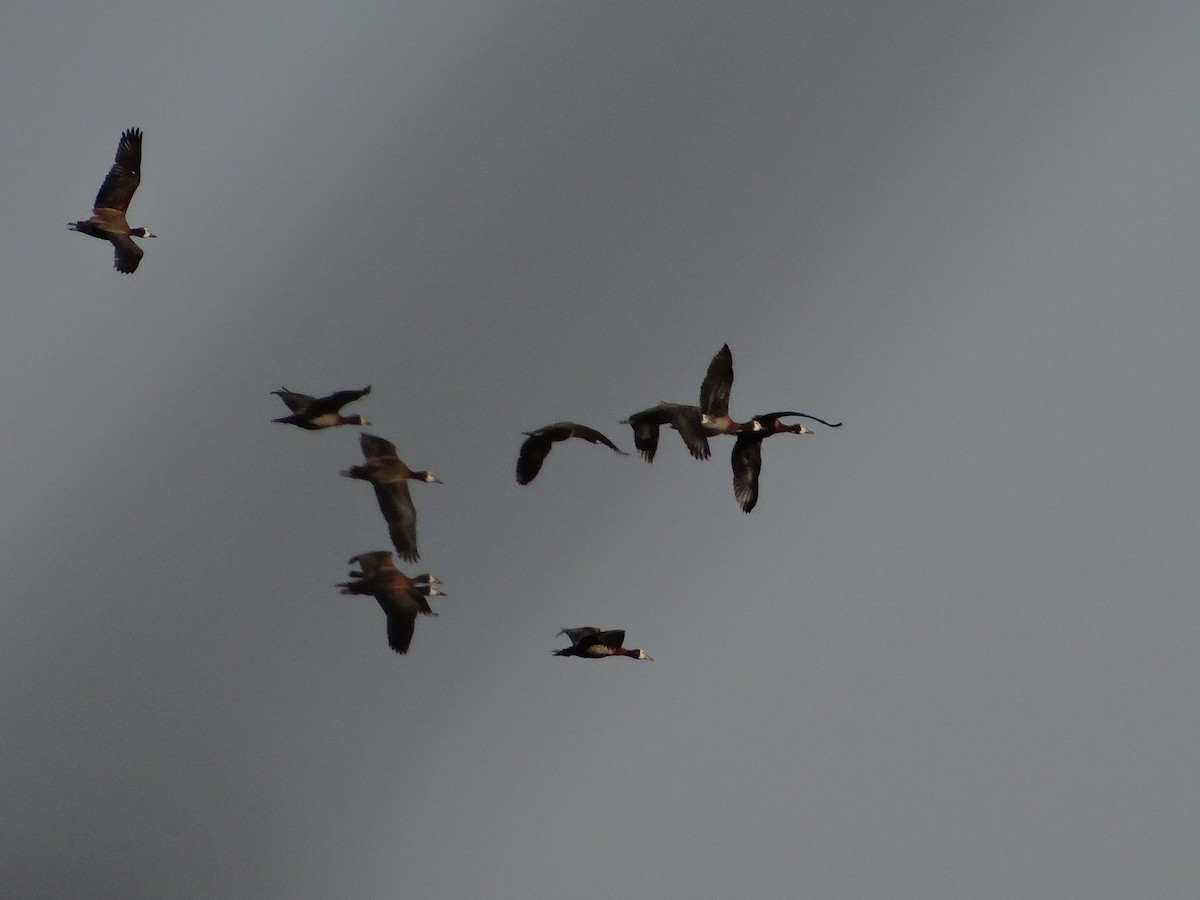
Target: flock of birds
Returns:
[[402, 597]]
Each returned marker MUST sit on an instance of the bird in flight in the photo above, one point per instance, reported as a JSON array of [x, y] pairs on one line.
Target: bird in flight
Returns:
[[108, 215]]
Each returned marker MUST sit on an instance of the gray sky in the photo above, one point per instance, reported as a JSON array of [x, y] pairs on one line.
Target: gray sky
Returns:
[[950, 655]]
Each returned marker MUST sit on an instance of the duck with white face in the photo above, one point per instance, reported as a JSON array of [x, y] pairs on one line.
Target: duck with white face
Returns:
[[746, 458], [388, 474], [315, 413], [589, 642], [108, 213]]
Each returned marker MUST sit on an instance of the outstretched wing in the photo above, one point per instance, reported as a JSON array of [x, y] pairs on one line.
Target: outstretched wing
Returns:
[[592, 436], [718, 381], [401, 622], [124, 177], [126, 253], [297, 403], [574, 635], [335, 401], [645, 435], [372, 563], [401, 516], [533, 454], [746, 462], [686, 420], [374, 447]]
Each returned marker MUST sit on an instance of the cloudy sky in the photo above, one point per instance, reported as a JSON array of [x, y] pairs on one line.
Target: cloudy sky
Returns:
[[952, 654]]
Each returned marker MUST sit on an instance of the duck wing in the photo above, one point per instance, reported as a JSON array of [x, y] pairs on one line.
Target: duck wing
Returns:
[[533, 454], [374, 447], [297, 403], [686, 420], [718, 381], [372, 563], [592, 436], [335, 401], [126, 253], [396, 504], [646, 432], [401, 622], [124, 177], [746, 462], [574, 635]]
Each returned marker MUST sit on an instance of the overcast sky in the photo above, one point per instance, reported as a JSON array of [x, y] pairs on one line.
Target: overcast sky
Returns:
[[952, 654]]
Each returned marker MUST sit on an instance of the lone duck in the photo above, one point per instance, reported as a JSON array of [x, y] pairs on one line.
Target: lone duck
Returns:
[[315, 413], [108, 214], [537, 446], [746, 458], [695, 424], [389, 476], [400, 597], [592, 643]]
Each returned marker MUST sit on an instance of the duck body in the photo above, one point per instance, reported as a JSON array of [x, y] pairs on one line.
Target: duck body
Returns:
[[389, 476], [590, 642], [316, 413], [746, 458], [108, 221]]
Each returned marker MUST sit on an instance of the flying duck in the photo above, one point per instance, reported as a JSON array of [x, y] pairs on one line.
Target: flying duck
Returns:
[[108, 214], [315, 413], [400, 597], [695, 424], [746, 458], [389, 476], [592, 643], [537, 446]]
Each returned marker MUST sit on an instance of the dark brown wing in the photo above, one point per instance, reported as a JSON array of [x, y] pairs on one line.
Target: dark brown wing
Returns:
[[718, 381], [335, 401], [125, 175], [372, 563], [746, 462], [686, 420], [401, 516], [533, 454], [297, 403], [576, 634], [401, 622], [645, 432], [126, 254], [683, 418], [374, 447], [592, 436]]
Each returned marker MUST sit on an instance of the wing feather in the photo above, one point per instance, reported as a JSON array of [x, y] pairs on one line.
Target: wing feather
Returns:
[[125, 175]]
